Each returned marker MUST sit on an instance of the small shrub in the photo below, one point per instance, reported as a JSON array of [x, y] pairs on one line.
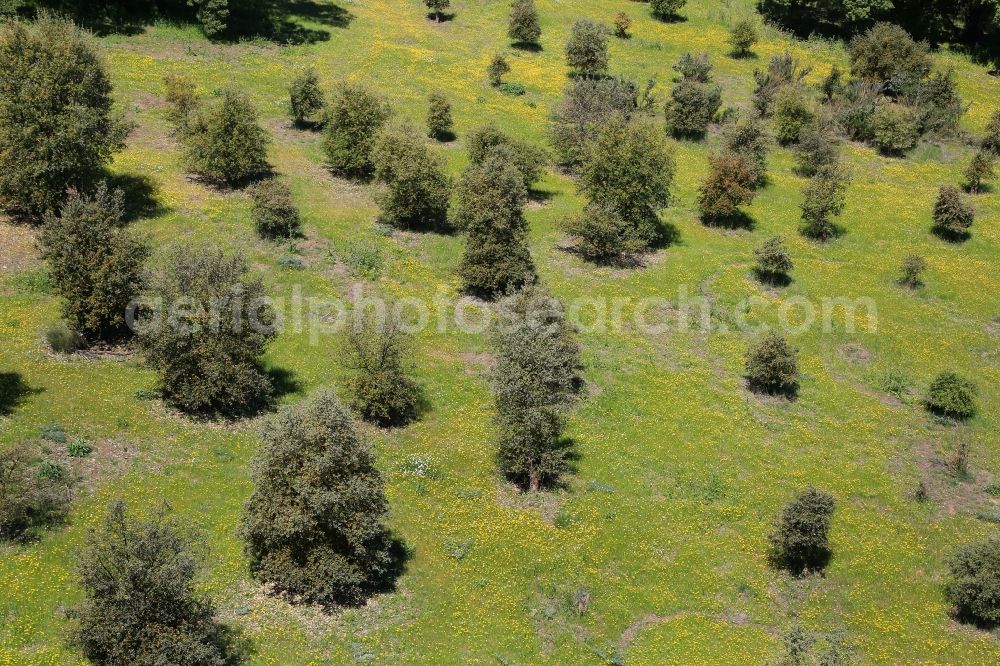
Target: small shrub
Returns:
[[991, 140], [938, 105], [728, 186], [512, 89], [832, 86], [772, 365], [666, 10], [792, 112], [225, 142], [306, 97], [603, 235], [496, 69], [824, 198], [273, 211], [781, 71], [52, 471], [526, 158], [181, 96], [29, 497], [437, 8], [524, 27], [894, 129], [980, 171], [439, 122], [747, 136], [622, 24], [692, 107], [382, 388], [951, 395], [290, 262], [587, 48], [912, 268], [773, 259], [53, 432], [855, 111], [742, 37], [887, 55], [79, 448], [697, 68], [353, 119], [416, 187], [973, 583], [800, 540], [817, 146], [64, 340], [953, 215]]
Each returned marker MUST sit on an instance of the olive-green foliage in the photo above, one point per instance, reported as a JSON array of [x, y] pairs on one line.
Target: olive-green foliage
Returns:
[[747, 136], [895, 128], [742, 37], [439, 122], [913, 267], [64, 340], [437, 7], [938, 104], [181, 95], [314, 526], [800, 540], [381, 386], [622, 24], [586, 106], [305, 96], [225, 141], [530, 160], [214, 15], [417, 188], [666, 10], [991, 140], [534, 383], [523, 27], [973, 583], [602, 235], [95, 264], [772, 365], [729, 185], [773, 259], [887, 55], [953, 215], [824, 198], [951, 395], [694, 67], [354, 116], [491, 200], [57, 128], [587, 48], [28, 500], [980, 170], [782, 70], [792, 112], [206, 330], [833, 83], [496, 69], [140, 606], [818, 146], [273, 211], [629, 171], [855, 109], [692, 107]]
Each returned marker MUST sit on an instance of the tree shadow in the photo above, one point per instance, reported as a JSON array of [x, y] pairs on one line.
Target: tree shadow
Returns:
[[140, 196], [739, 220], [529, 47], [400, 555], [445, 137], [788, 391], [440, 17], [772, 279], [951, 236], [799, 568], [13, 392], [540, 196], [327, 14], [283, 383], [671, 18]]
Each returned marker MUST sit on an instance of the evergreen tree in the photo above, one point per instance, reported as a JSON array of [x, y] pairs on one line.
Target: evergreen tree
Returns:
[[28, 499], [697, 68], [953, 215], [980, 170], [488, 139], [584, 109], [792, 112], [226, 142], [96, 265], [382, 388], [773, 260], [772, 365], [742, 37], [57, 128], [437, 8], [417, 188], [888, 56], [181, 95], [439, 122], [496, 69], [692, 107], [729, 185], [747, 136], [587, 48], [800, 540], [354, 117], [314, 526], [534, 382], [666, 10], [306, 97], [973, 583], [991, 141], [951, 395], [524, 27], [824, 199], [273, 211], [818, 146], [782, 70]]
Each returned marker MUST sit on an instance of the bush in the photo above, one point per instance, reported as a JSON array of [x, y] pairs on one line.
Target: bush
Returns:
[[314, 526], [980, 170], [856, 111], [800, 540], [226, 143], [973, 584], [524, 27], [439, 122], [692, 107], [781, 71], [772, 365], [773, 259], [417, 188], [938, 104], [991, 140], [528, 159], [894, 129], [437, 8], [742, 37], [29, 499], [306, 97], [140, 607], [602, 235], [697, 68], [181, 96], [792, 112], [818, 146], [381, 386], [354, 117], [496, 69], [52, 75], [534, 382], [824, 198], [95, 264], [666, 10], [887, 55], [491, 200], [512, 89], [622, 25], [747, 136], [587, 48], [273, 211], [208, 352], [951, 395], [585, 108], [912, 268], [953, 215], [728, 186], [64, 340]]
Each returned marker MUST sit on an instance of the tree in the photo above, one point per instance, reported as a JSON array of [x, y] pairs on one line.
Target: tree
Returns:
[[781, 71], [96, 265], [437, 8], [140, 605], [939, 107], [226, 142], [534, 383], [973, 583], [273, 211], [980, 170], [491, 200], [887, 55], [953, 215], [305, 96], [951, 395], [697, 68], [57, 128], [622, 25], [28, 499], [496, 69], [894, 128], [773, 260], [529, 160], [417, 188], [747, 136], [629, 171], [585, 108], [206, 329], [524, 27], [991, 141], [913, 267], [666, 10], [818, 146], [587, 48], [602, 235], [692, 107], [354, 117], [800, 540], [772, 365], [381, 386], [439, 122], [792, 112], [825, 196], [728, 186], [181, 95], [742, 37], [314, 526]]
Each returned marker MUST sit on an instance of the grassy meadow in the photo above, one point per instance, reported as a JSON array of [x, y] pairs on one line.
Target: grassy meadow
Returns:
[[681, 469]]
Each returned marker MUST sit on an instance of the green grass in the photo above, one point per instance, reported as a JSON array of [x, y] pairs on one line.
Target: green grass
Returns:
[[666, 520]]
